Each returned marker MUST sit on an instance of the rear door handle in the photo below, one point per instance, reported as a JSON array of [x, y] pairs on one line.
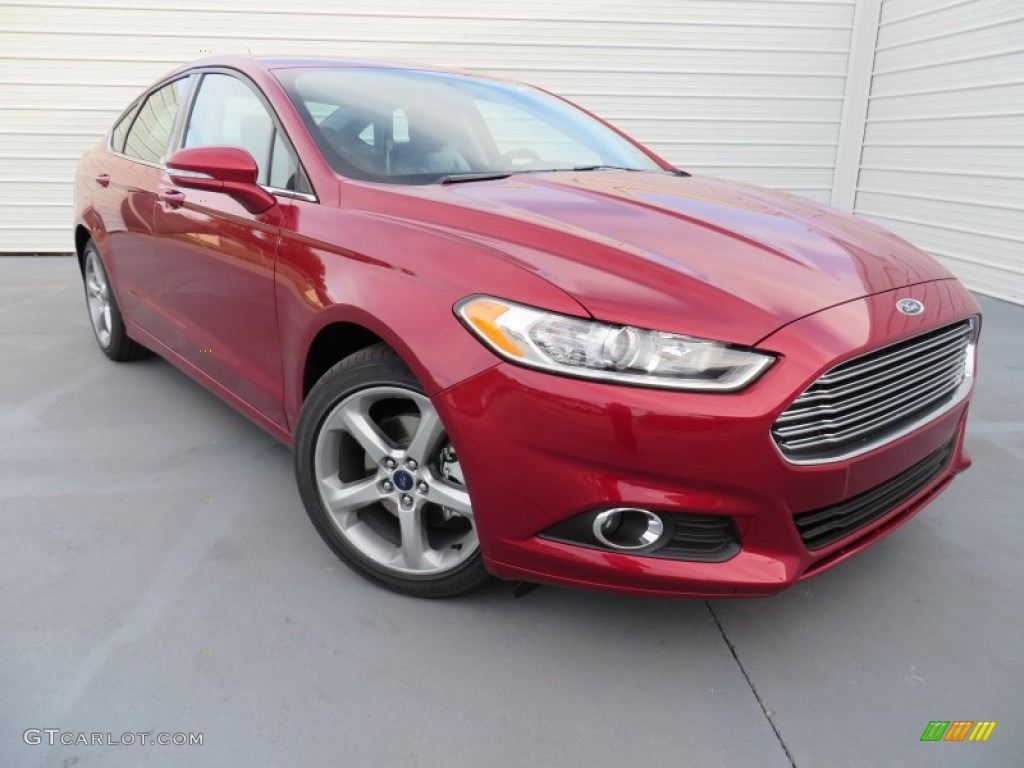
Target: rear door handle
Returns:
[[173, 197], [103, 179]]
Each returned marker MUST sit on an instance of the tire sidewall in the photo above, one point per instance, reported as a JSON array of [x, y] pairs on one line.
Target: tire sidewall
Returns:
[[358, 372], [121, 347]]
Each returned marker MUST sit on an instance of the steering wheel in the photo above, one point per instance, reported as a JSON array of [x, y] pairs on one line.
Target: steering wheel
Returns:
[[521, 158]]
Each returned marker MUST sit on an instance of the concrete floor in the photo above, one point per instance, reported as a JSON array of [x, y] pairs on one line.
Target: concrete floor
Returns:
[[157, 573]]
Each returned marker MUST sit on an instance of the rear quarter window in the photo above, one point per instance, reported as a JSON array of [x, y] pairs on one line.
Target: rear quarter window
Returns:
[[120, 130], [150, 134]]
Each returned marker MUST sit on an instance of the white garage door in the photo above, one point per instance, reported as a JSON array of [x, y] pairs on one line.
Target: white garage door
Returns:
[[943, 156], [748, 89]]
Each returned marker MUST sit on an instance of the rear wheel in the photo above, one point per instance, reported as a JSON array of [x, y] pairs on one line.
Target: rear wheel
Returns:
[[381, 480], [107, 323]]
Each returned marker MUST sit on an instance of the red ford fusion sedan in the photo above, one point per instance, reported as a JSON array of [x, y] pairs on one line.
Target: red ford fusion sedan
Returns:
[[504, 338]]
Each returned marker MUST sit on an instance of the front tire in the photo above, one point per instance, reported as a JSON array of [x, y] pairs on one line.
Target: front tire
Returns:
[[381, 481], [107, 322]]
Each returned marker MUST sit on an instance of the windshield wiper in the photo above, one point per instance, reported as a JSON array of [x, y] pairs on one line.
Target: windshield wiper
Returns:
[[458, 178], [673, 171], [605, 168]]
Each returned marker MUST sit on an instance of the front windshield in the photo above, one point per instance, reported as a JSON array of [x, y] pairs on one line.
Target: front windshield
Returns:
[[415, 127]]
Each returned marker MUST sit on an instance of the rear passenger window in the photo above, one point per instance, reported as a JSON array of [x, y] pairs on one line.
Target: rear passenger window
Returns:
[[151, 131]]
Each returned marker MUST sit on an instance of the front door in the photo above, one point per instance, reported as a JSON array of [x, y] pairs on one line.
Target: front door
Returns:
[[217, 259]]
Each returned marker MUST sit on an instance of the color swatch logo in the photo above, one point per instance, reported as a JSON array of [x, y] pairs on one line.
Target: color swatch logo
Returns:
[[958, 730]]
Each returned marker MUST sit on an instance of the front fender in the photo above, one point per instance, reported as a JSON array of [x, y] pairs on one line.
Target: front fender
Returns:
[[397, 279]]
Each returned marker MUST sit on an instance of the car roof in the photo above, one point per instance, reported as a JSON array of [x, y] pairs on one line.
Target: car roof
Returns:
[[251, 64]]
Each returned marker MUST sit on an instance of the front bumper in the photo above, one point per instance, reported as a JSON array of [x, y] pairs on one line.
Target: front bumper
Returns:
[[538, 449]]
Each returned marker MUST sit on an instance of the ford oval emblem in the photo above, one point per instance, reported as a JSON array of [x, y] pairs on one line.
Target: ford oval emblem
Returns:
[[909, 307], [403, 480]]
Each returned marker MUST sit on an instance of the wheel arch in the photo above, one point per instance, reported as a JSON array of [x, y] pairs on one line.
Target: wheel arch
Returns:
[[343, 331], [82, 236], [333, 343]]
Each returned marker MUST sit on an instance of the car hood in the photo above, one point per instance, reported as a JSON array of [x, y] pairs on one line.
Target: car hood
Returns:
[[690, 255]]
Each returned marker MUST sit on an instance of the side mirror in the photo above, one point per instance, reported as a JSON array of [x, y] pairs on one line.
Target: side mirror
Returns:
[[230, 170]]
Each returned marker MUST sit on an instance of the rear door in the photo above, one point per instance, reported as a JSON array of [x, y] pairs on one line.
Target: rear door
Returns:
[[217, 259], [127, 184]]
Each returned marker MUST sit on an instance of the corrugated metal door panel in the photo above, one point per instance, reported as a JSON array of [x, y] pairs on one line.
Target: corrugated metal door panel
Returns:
[[13, 142], [709, 12], [43, 168], [1001, 220], [936, 49], [976, 100], [84, 122], [943, 156], [958, 70], [904, 23], [953, 129], [29, 188], [993, 159], [979, 189], [749, 89]]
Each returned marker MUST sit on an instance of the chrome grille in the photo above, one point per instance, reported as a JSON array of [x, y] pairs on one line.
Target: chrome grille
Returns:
[[874, 398]]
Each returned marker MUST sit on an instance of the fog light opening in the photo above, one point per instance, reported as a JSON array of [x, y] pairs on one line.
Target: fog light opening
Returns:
[[628, 529]]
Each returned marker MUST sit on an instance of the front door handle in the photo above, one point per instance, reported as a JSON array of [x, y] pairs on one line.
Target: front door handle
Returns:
[[173, 197], [103, 179]]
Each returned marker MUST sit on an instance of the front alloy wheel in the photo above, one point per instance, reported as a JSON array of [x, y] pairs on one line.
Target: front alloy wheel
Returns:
[[382, 482]]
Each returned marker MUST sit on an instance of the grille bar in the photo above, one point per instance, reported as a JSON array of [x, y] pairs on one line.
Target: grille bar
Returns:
[[895, 354], [938, 371], [937, 359], [865, 402], [821, 527], [854, 433], [950, 379]]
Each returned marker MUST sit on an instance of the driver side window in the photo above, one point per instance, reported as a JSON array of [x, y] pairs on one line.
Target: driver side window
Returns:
[[228, 113]]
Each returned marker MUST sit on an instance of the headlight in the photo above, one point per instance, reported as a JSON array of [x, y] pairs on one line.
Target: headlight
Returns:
[[622, 354]]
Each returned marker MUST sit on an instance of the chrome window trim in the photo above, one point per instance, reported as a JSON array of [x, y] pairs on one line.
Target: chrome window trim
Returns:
[[195, 78], [140, 161], [958, 396], [309, 198]]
